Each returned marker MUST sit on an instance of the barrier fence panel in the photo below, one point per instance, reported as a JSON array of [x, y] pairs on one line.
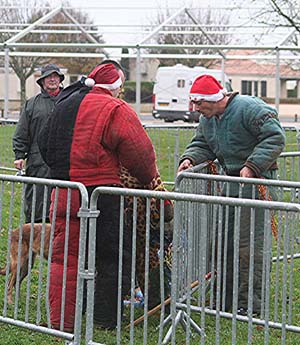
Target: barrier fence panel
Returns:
[[273, 232], [169, 142], [289, 166], [199, 271], [176, 263], [26, 304], [244, 288]]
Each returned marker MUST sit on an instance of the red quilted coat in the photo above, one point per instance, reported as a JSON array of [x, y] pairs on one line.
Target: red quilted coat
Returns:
[[106, 132], [57, 260]]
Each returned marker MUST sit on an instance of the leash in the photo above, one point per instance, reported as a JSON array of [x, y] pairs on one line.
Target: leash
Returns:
[[263, 193]]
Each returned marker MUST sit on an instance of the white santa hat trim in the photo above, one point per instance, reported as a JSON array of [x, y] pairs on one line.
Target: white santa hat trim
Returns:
[[112, 86], [196, 97], [89, 82]]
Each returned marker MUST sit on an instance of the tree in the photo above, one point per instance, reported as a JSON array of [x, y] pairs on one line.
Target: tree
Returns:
[[25, 66], [125, 63], [278, 13], [208, 22]]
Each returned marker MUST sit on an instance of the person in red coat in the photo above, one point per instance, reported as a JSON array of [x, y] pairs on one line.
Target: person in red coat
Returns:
[[86, 140]]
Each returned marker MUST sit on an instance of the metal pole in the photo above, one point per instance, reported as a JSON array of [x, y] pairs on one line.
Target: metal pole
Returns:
[[223, 71], [6, 82], [277, 80], [158, 28], [138, 82], [28, 29]]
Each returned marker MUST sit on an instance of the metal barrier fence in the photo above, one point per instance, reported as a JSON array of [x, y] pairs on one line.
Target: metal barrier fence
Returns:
[[169, 142], [190, 290], [289, 166], [195, 282], [26, 305], [273, 232]]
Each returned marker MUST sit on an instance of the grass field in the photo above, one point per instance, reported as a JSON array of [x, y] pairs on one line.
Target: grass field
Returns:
[[169, 145]]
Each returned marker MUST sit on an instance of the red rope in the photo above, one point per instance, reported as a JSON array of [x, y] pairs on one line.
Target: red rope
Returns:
[[263, 193]]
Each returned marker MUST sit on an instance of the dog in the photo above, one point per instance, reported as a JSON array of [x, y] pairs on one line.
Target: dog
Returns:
[[24, 254]]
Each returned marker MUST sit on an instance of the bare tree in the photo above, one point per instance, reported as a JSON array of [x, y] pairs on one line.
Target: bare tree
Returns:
[[207, 32], [13, 11], [279, 13]]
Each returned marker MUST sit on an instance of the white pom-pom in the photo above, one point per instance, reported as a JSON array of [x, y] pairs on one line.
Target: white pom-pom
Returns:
[[89, 82]]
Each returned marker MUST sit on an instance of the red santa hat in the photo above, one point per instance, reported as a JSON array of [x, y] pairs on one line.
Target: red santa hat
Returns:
[[105, 76], [206, 88]]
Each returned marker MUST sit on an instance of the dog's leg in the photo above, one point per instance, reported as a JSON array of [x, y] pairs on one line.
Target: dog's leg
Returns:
[[12, 282]]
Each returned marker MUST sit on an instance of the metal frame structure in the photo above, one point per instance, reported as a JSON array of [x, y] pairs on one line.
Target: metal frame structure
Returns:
[[140, 49]]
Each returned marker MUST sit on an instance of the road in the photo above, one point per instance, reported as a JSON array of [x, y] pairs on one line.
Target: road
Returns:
[[148, 119]]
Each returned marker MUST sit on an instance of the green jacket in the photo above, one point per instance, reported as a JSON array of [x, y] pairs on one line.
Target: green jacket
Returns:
[[247, 134]]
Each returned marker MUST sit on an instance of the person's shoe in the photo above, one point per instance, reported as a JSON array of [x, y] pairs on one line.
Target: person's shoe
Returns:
[[244, 312], [105, 325]]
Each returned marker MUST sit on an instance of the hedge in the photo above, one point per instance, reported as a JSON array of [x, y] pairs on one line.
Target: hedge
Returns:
[[130, 91]]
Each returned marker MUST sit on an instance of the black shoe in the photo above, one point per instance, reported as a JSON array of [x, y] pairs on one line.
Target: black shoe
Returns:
[[105, 325], [244, 312]]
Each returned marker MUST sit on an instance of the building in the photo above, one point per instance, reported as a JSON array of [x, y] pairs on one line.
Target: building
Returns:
[[257, 77]]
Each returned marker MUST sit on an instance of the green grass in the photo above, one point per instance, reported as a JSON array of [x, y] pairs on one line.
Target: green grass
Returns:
[[165, 143], [169, 145]]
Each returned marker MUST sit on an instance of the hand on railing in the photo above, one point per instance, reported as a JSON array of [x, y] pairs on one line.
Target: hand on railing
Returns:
[[186, 164], [19, 164]]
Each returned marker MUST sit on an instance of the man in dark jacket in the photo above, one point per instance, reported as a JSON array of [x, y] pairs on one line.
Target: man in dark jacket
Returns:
[[32, 119]]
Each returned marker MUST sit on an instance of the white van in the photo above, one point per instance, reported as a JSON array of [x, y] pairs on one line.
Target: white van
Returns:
[[171, 92]]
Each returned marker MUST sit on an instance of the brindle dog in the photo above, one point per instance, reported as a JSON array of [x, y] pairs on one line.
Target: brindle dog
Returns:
[[24, 252]]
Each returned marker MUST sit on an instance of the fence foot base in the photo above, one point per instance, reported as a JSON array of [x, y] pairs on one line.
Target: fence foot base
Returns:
[[183, 319]]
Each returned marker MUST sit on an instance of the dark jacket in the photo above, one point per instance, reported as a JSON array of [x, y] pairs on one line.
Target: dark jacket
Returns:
[[32, 119]]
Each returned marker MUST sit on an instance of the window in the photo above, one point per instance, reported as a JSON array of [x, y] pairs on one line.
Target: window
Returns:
[[181, 83], [263, 88], [255, 91], [251, 88], [246, 87], [291, 89]]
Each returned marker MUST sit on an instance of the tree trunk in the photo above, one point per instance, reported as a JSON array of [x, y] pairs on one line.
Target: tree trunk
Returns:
[[23, 91]]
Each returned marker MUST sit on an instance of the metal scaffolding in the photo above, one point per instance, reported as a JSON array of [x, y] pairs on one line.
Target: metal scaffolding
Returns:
[[145, 48]]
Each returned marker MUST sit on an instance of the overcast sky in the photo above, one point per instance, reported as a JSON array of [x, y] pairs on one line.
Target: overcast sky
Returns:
[[116, 18], [137, 12]]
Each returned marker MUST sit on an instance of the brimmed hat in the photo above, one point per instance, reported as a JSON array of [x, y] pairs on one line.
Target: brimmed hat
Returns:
[[105, 76], [206, 88], [47, 70]]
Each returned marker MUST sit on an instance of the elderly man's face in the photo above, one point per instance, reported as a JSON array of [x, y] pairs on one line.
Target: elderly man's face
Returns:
[[51, 83], [207, 109]]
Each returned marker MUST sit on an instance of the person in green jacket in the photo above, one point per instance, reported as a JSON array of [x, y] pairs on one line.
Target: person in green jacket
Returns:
[[32, 119], [244, 134]]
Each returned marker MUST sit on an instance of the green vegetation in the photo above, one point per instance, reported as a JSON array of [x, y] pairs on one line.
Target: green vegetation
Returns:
[[166, 143], [130, 91]]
